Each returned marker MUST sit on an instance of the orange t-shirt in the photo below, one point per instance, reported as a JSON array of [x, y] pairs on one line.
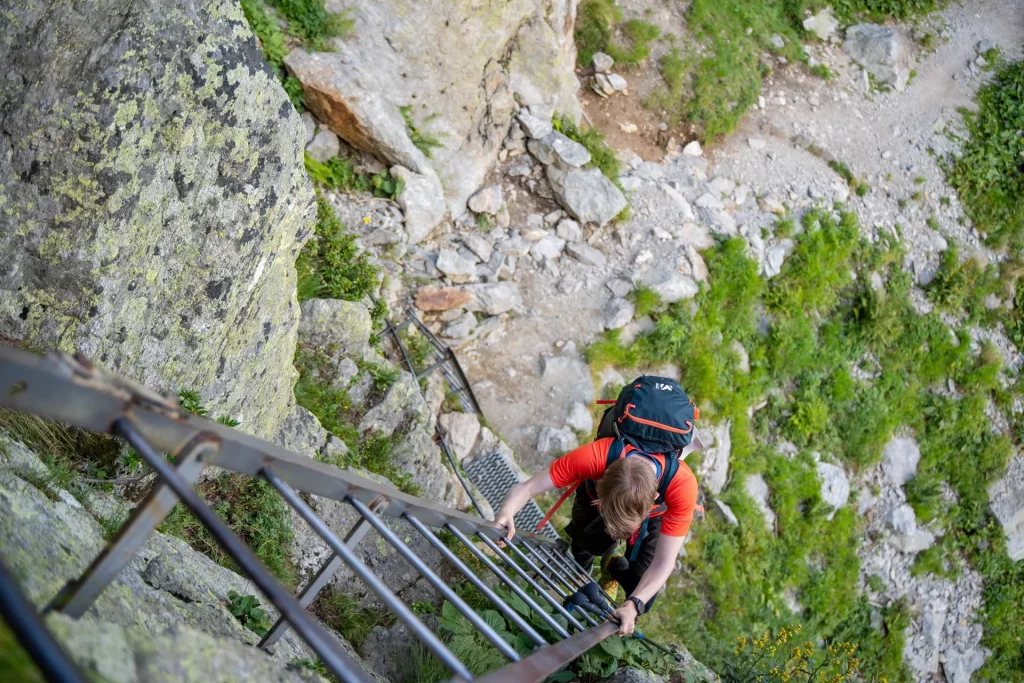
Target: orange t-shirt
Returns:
[[588, 462]]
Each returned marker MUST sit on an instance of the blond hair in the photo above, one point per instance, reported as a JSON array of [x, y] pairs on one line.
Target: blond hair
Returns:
[[625, 493]]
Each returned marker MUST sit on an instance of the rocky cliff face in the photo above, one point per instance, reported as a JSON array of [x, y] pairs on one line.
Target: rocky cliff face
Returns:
[[152, 198], [457, 67]]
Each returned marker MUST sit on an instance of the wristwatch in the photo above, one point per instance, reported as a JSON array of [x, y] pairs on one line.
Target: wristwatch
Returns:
[[640, 606]]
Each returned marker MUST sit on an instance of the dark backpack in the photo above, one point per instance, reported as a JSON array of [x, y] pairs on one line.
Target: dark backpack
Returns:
[[653, 414]]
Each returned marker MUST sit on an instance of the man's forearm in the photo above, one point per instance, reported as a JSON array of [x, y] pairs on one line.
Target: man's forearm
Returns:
[[657, 574], [653, 580]]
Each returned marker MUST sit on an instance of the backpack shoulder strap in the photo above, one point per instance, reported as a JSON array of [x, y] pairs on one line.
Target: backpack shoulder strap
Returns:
[[615, 451], [671, 467]]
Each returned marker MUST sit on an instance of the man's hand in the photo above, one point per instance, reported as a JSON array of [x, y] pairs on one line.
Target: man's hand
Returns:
[[627, 618], [506, 519]]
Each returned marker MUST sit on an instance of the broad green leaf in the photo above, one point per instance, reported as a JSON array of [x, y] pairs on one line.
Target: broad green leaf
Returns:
[[493, 619], [614, 646]]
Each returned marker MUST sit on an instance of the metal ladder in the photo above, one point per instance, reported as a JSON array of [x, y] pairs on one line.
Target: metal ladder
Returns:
[[72, 391]]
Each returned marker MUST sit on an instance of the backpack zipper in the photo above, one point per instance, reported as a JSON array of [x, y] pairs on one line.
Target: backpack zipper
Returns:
[[651, 423]]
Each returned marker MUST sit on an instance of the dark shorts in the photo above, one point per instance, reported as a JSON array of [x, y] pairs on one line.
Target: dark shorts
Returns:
[[590, 540]]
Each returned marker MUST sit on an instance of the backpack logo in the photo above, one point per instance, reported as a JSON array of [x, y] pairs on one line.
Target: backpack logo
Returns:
[[663, 387]]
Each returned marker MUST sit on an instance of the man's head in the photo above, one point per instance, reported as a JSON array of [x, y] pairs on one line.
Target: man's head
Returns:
[[625, 493]]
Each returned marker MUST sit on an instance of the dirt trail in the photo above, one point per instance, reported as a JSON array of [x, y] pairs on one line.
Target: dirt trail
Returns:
[[883, 137]]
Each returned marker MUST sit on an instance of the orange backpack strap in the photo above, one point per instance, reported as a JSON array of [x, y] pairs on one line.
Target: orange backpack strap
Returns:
[[547, 517]]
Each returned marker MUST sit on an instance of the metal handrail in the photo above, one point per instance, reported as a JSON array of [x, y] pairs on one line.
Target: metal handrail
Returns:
[[74, 392]]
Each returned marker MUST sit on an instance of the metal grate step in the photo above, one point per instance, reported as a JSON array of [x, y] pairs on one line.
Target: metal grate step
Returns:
[[494, 475]]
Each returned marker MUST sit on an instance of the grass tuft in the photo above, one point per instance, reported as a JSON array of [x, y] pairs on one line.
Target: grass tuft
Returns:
[[989, 173], [332, 265]]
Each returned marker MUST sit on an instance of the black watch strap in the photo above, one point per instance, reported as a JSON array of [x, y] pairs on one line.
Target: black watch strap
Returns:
[[640, 606]]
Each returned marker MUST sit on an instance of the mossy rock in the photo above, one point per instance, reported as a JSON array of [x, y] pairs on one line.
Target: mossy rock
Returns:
[[153, 198]]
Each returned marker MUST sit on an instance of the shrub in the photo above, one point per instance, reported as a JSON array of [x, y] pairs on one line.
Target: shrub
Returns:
[[332, 265], [989, 173], [310, 21]]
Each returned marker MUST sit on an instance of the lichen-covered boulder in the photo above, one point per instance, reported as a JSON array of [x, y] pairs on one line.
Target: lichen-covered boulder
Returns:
[[152, 197]]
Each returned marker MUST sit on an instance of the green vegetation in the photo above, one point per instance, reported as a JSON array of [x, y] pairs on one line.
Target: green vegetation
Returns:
[[855, 183], [725, 77], [345, 615], [266, 28], [253, 510], [336, 412], [249, 612], [15, 664], [424, 142], [340, 173], [601, 155], [332, 265], [596, 27], [310, 21], [805, 331], [989, 173], [646, 300]]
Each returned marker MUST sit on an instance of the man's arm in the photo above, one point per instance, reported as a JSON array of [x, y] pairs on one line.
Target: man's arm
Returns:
[[518, 495], [652, 581]]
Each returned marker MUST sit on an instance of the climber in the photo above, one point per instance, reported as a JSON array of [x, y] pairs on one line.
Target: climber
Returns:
[[635, 489]]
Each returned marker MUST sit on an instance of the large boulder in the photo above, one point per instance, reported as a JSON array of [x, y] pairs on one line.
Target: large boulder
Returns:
[[586, 193], [1007, 502], [882, 52], [400, 55], [154, 198]]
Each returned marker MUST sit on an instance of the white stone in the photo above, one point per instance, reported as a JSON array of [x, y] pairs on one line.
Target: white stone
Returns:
[[602, 62], [586, 254], [487, 200], [693, 149], [323, 146], [714, 470], [668, 283], [903, 520], [422, 201], [900, 459], [309, 124], [458, 268], [493, 298], [757, 143], [535, 128], [579, 418], [479, 246], [822, 24], [773, 259], [618, 314], [586, 193], [569, 230], [727, 512], [617, 82], [556, 147], [548, 247], [757, 488], [461, 431], [742, 357], [1006, 500], [556, 442], [627, 127], [835, 486]]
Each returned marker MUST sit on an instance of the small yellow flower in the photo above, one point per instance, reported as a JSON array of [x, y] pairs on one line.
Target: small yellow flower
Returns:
[[366, 219]]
